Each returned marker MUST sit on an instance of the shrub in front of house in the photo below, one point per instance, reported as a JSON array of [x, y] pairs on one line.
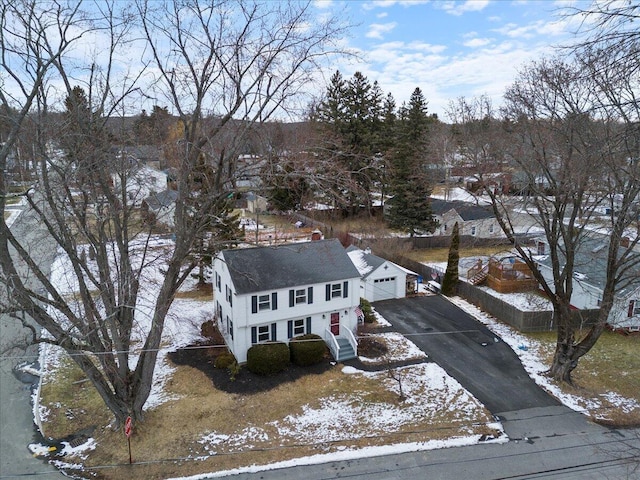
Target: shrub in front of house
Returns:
[[224, 360], [369, 317], [268, 358], [307, 349]]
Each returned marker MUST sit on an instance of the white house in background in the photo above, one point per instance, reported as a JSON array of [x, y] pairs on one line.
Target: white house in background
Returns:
[[160, 207], [142, 182], [589, 277], [381, 279], [268, 294], [474, 220]]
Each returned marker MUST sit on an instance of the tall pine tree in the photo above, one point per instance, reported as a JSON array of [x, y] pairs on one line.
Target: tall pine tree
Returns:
[[351, 120], [409, 209]]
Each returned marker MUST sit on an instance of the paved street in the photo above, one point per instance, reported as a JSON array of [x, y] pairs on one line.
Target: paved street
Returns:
[[581, 456], [16, 416]]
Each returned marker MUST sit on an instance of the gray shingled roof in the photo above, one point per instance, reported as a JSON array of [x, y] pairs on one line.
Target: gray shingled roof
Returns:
[[590, 265], [468, 211], [373, 261], [166, 198], [270, 268]]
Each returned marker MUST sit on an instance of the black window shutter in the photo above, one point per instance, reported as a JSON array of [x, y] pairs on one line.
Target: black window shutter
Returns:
[[230, 298], [308, 325], [254, 304], [274, 327], [254, 335], [290, 328], [291, 298], [631, 307], [345, 289], [310, 295], [274, 301], [328, 292]]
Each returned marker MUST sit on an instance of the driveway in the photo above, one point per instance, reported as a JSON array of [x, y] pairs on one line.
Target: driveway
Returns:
[[467, 350]]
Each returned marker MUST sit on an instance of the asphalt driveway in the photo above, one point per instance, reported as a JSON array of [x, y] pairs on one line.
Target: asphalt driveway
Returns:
[[467, 350]]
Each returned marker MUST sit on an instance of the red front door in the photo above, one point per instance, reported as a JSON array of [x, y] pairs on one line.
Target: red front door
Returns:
[[335, 323]]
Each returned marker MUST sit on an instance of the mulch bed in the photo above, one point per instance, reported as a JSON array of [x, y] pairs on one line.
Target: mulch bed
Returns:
[[245, 382]]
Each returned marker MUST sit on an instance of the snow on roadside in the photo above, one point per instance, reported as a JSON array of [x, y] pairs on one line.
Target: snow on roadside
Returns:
[[529, 350], [429, 391]]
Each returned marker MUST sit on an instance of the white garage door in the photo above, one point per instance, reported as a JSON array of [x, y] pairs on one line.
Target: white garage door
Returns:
[[384, 288]]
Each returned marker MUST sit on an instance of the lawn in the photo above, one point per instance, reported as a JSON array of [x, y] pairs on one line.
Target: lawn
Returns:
[[438, 255], [606, 373], [198, 420], [212, 423]]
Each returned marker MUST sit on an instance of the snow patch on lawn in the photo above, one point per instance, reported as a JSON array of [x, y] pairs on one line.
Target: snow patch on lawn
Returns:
[[398, 346]]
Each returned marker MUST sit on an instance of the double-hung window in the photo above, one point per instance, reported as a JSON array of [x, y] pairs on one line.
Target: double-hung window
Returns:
[[337, 290], [266, 301], [300, 296], [264, 333], [299, 327]]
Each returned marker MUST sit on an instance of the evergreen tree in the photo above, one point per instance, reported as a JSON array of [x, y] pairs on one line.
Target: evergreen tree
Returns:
[[450, 280], [409, 208], [351, 117]]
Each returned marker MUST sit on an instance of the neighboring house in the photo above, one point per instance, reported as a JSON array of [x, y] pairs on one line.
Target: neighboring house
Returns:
[[160, 207], [268, 294], [381, 279], [473, 220], [256, 203], [142, 181], [589, 278]]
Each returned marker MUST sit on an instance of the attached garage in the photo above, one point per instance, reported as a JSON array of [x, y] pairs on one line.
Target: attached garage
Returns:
[[381, 279], [384, 288]]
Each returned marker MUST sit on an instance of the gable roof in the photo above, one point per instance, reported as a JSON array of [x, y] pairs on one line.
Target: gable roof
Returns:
[[285, 266], [590, 264], [158, 200], [367, 263], [363, 261], [468, 211]]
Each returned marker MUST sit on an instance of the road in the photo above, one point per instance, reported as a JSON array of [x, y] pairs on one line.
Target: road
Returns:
[[17, 430]]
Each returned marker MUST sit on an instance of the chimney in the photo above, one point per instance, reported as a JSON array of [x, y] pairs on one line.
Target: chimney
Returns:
[[316, 235], [624, 242]]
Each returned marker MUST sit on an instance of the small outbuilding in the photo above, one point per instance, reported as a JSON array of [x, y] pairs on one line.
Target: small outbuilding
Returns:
[[381, 279]]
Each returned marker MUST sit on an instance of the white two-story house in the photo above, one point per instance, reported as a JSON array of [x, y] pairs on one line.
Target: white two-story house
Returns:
[[267, 294]]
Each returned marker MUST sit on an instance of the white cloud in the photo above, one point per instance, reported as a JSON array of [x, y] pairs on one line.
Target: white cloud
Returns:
[[377, 30], [477, 42], [456, 8], [323, 4], [382, 15], [390, 3]]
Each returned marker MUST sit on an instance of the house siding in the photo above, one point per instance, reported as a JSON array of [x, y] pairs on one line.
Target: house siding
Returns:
[[391, 271], [241, 312]]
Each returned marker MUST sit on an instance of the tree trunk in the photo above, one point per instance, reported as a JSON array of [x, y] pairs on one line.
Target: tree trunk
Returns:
[[563, 363]]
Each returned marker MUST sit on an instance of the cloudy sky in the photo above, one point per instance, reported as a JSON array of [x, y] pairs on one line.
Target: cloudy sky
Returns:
[[450, 48]]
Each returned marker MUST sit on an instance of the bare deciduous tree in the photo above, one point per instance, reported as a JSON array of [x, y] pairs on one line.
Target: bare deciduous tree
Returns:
[[575, 147], [221, 68]]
